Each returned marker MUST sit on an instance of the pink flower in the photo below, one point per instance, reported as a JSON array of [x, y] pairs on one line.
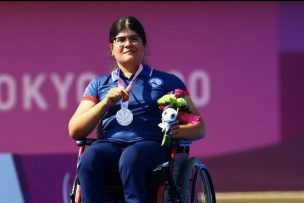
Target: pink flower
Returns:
[[179, 93]]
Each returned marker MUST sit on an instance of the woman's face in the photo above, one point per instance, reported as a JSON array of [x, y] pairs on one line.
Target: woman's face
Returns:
[[128, 49]]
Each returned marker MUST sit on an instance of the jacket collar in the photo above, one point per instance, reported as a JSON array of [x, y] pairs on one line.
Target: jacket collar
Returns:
[[147, 71]]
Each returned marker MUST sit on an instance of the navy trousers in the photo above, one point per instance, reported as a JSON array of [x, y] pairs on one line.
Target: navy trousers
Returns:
[[133, 160]]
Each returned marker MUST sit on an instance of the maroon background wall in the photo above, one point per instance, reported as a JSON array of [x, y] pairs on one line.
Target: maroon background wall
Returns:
[[291, 31], [292, 73], [276, 167]]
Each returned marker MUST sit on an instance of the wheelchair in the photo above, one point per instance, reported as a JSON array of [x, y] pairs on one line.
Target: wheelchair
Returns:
[[182, 179]]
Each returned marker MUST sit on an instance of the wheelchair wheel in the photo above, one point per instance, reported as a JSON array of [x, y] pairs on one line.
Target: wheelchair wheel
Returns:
[[163, 194], [197, 185]]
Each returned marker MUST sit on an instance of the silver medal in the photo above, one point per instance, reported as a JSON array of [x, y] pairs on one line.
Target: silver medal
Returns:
[[124, 116]]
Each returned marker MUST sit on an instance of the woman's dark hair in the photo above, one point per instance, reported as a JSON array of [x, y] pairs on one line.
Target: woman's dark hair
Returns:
[[127, 22]]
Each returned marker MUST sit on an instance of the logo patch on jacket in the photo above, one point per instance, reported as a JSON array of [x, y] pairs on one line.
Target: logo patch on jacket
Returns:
[[155, 82]]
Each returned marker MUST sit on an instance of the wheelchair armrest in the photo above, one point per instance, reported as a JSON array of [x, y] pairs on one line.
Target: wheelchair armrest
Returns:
[[85, 141], [181, 145], [181, 142]]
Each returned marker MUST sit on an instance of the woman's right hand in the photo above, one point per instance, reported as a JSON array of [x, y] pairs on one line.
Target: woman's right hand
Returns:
[[89, 113], [114, 95]]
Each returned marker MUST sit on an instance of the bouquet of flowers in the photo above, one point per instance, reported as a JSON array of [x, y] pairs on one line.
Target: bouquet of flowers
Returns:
[[174, 108]]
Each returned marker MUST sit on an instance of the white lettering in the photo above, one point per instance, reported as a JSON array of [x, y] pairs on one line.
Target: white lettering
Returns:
[[203, 99], [197, 77], [82, 83], [62, 88], [31, 92], [10, 83]]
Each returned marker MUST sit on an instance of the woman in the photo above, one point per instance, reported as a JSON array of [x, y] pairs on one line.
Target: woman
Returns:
[[123, 105]]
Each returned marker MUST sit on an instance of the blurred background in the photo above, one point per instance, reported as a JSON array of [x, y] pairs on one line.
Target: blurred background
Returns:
[[241, 61]]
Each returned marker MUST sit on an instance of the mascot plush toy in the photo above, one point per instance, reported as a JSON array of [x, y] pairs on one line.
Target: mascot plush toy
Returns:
[[169, 116], [174, 108]]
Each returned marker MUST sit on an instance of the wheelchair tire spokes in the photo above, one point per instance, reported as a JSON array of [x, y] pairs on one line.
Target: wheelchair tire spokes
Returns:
[[196, 185]]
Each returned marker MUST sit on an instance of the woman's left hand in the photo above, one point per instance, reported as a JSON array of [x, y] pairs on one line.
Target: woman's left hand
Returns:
[[175, 131]]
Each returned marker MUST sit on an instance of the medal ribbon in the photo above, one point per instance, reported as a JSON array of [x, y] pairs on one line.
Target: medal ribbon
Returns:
[[125, 98]]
